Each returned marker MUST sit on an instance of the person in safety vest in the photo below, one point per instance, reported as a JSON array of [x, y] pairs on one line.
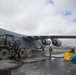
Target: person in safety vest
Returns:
[[67, 61], [67, 55]]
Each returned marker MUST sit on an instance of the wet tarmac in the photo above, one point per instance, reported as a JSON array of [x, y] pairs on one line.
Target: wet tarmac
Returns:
[[43, 66]]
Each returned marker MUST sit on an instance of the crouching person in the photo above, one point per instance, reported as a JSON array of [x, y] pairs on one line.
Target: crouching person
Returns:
[[67, 59], [68, 55]]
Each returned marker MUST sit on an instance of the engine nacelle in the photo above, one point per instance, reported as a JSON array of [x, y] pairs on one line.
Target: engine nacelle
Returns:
[[56, 42], [46, 42]]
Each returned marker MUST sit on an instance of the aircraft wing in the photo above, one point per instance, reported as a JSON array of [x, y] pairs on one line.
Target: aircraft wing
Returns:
[[64, 36], [51, 37], [29, 39], [54, 39]]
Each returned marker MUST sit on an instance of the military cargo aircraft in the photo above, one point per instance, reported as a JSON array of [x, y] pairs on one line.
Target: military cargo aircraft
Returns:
[[12, 43]]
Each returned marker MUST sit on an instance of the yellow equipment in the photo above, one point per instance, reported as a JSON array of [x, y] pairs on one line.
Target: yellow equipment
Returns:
[[67, 55]]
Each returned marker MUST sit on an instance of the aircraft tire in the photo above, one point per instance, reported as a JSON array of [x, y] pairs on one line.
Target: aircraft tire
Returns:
[[22, 53], [4, 54]]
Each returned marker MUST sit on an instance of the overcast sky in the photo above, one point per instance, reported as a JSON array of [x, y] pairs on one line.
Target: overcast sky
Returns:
[[39, 17]]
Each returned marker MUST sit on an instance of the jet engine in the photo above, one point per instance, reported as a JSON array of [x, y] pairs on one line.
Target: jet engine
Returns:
[[46, 42], [56, 42]]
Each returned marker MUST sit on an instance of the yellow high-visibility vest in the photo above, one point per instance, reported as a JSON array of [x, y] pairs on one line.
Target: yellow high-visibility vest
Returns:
[[67, 55]]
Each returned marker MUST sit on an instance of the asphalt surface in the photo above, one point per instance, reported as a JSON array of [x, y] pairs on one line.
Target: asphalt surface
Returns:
[[55, 66]]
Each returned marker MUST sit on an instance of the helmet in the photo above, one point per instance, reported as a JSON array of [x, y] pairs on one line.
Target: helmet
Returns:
[[72, 50]]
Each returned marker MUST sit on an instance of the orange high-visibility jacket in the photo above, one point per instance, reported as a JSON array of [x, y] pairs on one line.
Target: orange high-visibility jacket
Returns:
[[67, 55]]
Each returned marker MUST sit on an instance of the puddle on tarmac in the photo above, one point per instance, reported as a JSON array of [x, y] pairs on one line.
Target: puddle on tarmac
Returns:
[[58, 55], [55, 66]]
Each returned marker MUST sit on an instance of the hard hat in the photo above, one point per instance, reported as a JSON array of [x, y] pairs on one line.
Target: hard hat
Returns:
[[72, 49]]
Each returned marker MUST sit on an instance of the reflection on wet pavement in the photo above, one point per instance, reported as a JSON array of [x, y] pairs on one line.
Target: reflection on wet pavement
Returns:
[[46, 67], [56, 66], [67, 65]]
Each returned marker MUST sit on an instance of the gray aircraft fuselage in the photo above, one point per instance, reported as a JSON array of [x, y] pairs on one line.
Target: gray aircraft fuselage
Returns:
[[32, 42], [29, 44]]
